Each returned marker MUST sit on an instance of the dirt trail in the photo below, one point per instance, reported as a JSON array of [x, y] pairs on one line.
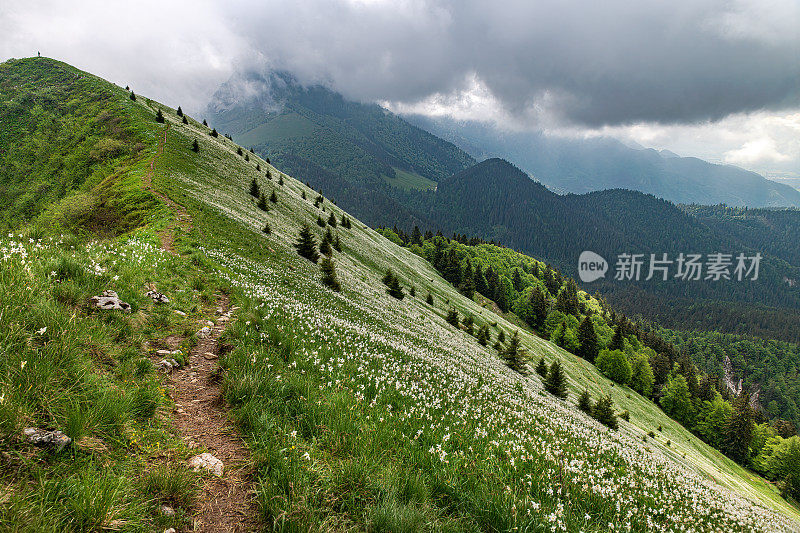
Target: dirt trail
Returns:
[[184, 220], [201, 416], [225, 504]]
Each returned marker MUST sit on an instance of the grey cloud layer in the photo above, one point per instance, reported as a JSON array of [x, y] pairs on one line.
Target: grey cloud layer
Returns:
[[591, 63], [585, 63]]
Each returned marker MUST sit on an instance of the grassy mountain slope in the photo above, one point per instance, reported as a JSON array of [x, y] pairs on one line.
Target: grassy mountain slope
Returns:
[[361, 411], [585, 165]]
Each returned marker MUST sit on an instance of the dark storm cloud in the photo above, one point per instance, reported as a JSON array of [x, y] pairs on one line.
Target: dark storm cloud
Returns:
[[590, 63], [586, 63]]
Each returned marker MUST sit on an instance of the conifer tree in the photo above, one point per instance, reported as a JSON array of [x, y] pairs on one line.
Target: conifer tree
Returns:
[[306, 244], [214, 133], [587, 339], [388, 277], [539, 308], [269, 175], [254, 190], [180, 111], [133, 96], [469, 323], [739, 429], [185, 120], [513, 354], [205, 123], [411, 290], [262, 203], [329, 274], [585, 402], [238, 150], [303, 195], [541, 368], [273, 198], [501, 336], [617, 341], [325, 248], [337, 245], [429, 299], [258, 167], [452, 317], [556, 381], [320, 222], [246, 157], [345, 222], [159, 116], [195, 146], [332, 219], [394, 289], [482, 336], [603, 412], [266, 229], [280, 179]]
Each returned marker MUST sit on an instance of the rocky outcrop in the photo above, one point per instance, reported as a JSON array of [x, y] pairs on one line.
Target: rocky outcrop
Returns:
[[52, 441], [109, 300]]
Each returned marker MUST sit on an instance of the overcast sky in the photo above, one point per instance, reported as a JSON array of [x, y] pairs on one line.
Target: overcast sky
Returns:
[[718, 79]]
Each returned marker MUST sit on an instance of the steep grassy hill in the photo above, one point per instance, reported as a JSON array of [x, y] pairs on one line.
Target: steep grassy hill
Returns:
[[361, 411]]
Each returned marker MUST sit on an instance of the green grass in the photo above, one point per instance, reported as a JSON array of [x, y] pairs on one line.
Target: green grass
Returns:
[[362, 412], [409, 181]]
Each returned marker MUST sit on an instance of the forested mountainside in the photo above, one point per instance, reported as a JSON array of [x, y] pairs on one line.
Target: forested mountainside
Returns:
[[361, 405], [584, 165], [495, 200]]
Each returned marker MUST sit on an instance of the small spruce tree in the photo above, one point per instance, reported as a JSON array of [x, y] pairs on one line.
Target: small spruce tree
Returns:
[[205, 123], [214, 133], [337, 245], [180, 111], [255, 192], [133, 96], [325, 248], [185, 120], [159, 116], [469, 324], [320, 222], [306, 244], [238, 150], [388, 277], [541, 368], [280, 180], [329, 274], [411, 290], [273, 198], [266, 229], [195, 146], [513, 354], [332, 219], [246, 157], [481, 336], [452, 317], [262, 203], [603, 412], [587, 339], [429, 299], [395, 290], [556, 381], [585, 402], [258, 167]]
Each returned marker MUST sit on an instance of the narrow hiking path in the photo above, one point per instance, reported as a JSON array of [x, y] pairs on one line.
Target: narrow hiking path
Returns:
[[183, 219], [200, 416]]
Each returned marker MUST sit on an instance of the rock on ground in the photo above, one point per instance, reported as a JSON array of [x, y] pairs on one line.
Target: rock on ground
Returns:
[[54, 441], [110, 300], [208, 462]]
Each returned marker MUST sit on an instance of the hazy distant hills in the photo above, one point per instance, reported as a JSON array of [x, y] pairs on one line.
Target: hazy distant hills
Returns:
[[584, 165]]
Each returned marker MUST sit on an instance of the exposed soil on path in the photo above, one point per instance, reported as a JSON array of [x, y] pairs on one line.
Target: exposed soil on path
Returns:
[[225, 504], [184, 220]]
